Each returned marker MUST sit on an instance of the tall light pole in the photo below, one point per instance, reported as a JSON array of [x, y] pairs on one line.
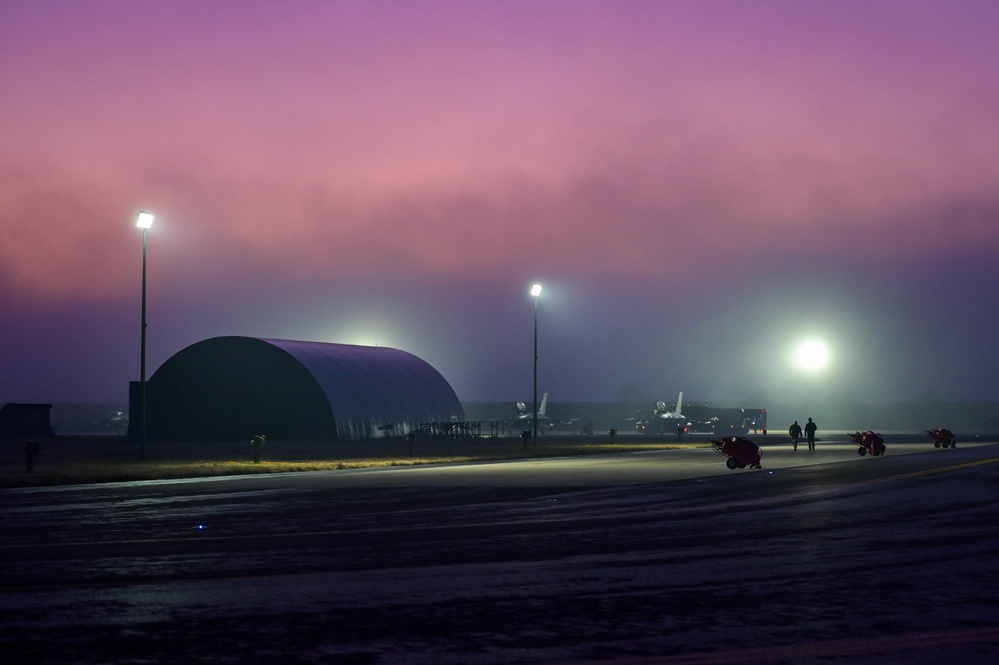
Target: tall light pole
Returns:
[[143, 220], [536, 291]]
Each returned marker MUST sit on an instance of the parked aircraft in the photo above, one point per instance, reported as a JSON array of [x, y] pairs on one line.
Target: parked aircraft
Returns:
[[117, 421], [524, 414], [664, 421], [525, 417]]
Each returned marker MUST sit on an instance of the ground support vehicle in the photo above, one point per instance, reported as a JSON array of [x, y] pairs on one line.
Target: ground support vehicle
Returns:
[[942, 437], [869, 443], [741, 452]]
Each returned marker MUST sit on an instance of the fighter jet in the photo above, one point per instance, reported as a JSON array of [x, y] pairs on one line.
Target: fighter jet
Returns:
[[664, 421], [117, 421], [525, 417]]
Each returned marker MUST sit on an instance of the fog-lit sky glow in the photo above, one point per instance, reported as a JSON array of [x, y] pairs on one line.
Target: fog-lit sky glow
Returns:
[[699, 186]]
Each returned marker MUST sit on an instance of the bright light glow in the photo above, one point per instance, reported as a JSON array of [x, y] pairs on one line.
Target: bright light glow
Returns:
[[144, 219], [368, 330], [812, 355], [536, 290]]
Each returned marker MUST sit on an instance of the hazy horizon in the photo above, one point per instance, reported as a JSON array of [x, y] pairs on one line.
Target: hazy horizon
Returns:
[[700, 187]]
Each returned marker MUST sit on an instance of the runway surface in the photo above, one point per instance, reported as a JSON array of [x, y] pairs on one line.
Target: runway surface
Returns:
[[665, 557]]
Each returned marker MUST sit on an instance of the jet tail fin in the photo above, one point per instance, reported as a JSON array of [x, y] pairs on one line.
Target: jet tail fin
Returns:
[[544, 405], [679, 403]]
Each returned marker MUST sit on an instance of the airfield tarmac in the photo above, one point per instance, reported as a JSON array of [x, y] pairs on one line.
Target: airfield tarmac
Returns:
[[662, 557]]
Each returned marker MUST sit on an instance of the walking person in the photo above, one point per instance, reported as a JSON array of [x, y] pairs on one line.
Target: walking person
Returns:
[[795, 432], [810, 428]]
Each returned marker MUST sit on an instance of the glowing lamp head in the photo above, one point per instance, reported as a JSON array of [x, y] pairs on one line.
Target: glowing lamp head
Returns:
[[536, 290], [144, 219], [812, 356]]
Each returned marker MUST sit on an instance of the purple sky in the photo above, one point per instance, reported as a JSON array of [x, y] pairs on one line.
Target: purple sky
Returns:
[[698, 185]]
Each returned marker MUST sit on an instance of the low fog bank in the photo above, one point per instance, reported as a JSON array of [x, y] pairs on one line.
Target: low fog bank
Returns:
[[908, 417], [92, 418], [87, 418]]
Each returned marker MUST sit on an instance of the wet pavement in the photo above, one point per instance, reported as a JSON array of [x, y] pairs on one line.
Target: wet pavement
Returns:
[[832, 559]]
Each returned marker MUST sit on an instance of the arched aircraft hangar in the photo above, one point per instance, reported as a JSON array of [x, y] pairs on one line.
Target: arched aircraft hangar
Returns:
[[232, 388]]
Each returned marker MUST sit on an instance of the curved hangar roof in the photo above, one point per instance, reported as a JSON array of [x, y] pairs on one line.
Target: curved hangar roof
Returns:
[[230, 388]]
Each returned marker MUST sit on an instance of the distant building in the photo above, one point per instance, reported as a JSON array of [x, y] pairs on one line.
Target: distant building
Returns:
[[232, 388], [25, 420]]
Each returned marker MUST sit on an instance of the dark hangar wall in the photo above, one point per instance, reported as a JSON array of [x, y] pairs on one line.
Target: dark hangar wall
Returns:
[[231, 388]]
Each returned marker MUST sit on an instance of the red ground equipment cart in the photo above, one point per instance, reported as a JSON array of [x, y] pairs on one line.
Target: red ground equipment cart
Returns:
[[869, 443], [942, 438], [741, 452]]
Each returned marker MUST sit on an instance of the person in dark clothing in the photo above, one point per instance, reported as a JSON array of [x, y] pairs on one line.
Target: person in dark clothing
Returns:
[[810, 428], [795, 432]]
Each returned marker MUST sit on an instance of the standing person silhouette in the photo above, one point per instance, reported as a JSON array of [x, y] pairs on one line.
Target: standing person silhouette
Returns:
[[810, 428], [795, 431]]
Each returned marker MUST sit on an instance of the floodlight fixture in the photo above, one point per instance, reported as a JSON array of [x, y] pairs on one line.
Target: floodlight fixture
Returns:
[[812, 356], [144, 220]]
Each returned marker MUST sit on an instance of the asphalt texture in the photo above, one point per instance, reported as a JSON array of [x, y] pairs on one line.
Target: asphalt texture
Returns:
[[670, 557]]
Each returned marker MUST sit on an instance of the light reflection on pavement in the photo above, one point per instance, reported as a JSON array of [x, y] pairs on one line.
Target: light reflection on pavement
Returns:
[[670, 558]]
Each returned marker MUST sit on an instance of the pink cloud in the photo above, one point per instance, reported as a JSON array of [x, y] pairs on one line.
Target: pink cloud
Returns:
[[630, 138]]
